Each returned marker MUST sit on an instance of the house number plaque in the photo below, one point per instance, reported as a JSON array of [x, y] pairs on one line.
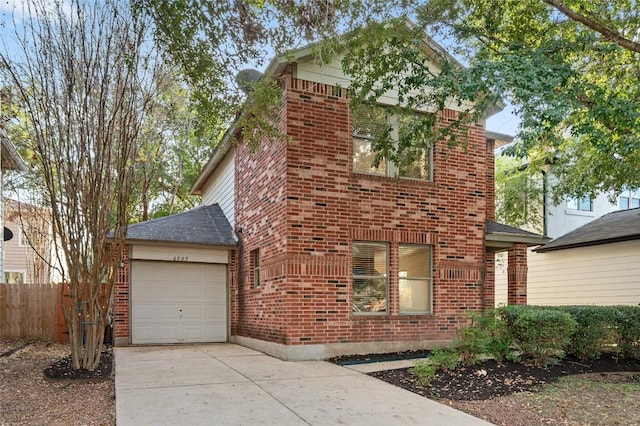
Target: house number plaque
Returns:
[[180, 258]]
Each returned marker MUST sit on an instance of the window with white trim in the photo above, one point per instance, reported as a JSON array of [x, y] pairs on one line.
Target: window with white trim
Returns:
[[583, 204], [370, 278], [629, 199], [415, 278], [374, 122], [14, 277]]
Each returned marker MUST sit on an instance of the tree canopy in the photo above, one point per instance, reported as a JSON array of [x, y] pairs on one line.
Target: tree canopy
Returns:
[[570, 69]]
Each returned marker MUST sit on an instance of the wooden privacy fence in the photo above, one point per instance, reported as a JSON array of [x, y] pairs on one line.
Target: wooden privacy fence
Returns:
[[30, 311], [33, 311]]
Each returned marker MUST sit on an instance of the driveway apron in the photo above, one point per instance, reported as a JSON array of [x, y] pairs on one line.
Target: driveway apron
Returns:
[[227, 384]]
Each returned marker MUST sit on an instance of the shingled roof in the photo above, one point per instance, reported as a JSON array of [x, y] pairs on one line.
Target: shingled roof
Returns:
[[204, 225], [623, 225], [500, 236]]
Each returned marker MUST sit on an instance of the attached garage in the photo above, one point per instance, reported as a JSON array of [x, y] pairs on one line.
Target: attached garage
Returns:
[[178, 279], [178, 302]]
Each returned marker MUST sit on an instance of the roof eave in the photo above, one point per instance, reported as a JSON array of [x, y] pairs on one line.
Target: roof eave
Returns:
[[502, 240], [217, 156], [18, 163], [588, 243], [225, 246]]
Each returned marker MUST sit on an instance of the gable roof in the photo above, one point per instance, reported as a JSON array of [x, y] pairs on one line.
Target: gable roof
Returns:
[[204, 225], [622, 225], [11, 160], [277, 66]]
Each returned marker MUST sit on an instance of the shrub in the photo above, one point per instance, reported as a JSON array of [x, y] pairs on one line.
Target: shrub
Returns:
[[541, 334], [627, 323], [441, 359], [595, 330], [487, 335]]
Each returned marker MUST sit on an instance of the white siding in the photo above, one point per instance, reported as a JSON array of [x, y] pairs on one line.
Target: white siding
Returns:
[[607, 274], [219, 188], [562, 220], [331, 73]]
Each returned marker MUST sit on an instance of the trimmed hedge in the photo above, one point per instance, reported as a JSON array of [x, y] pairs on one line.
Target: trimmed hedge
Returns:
[[540, 334], [596, 329]]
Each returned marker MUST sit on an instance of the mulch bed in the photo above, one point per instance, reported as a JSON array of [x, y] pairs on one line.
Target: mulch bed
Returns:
[[62, 369], [489, 379]]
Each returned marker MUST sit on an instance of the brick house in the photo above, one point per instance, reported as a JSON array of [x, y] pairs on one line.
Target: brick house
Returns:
[[315, 252]]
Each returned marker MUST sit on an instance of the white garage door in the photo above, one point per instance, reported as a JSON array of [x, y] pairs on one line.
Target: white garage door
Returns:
[[178, 302]]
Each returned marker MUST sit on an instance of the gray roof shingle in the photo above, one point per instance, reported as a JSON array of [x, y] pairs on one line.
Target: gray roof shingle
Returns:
[[501, 228], [623, 225], [204, 225]]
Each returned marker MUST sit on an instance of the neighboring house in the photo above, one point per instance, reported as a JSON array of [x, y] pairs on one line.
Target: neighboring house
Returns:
[[304, 250], [9, 160], [28, 255], [544, 281], [597, 263]]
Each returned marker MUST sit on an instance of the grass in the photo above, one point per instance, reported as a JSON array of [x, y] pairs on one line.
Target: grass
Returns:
[[587, 400]]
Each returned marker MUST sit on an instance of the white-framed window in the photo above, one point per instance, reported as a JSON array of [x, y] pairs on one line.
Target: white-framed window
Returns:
[[371, 122], [14, 277], [629, 199], [370, 290], [255, 268], [583, 204], [415, 278]]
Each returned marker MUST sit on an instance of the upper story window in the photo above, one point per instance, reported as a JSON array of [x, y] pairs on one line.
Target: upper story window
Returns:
[[584, 204], [629, 199], [372, 123]]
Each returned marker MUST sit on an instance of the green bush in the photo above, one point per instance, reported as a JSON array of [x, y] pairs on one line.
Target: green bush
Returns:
[[627, 323], [595, 331], [441, 359], [542, 335], [486, 335]]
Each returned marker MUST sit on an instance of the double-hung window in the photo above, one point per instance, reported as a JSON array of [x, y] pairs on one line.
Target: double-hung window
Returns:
[[370, 277], [373, 124], [415, 279], [583, 204], [629, 199]]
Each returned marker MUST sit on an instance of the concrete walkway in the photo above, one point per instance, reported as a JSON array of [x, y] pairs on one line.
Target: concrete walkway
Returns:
[[226, 384]]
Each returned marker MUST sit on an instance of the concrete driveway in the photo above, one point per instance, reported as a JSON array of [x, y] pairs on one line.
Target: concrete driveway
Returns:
[[226, 384]]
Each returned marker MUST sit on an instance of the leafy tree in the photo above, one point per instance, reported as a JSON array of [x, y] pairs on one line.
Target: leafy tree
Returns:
[[519, 195], [171, 154], [83, 73], [211, 41], [570, 68]]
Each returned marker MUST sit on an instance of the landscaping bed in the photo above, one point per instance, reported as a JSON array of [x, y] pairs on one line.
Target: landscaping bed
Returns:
[[27, 397]]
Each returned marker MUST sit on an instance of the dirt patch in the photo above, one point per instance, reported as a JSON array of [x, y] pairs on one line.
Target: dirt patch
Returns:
[[27, 398]]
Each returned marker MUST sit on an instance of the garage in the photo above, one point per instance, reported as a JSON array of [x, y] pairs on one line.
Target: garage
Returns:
[[178, 302], [175, 280]]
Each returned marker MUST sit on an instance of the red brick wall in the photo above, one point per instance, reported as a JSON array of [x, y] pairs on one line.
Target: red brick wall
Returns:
[[302, 206], [121, 292], [260, 208], [517, 275]]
